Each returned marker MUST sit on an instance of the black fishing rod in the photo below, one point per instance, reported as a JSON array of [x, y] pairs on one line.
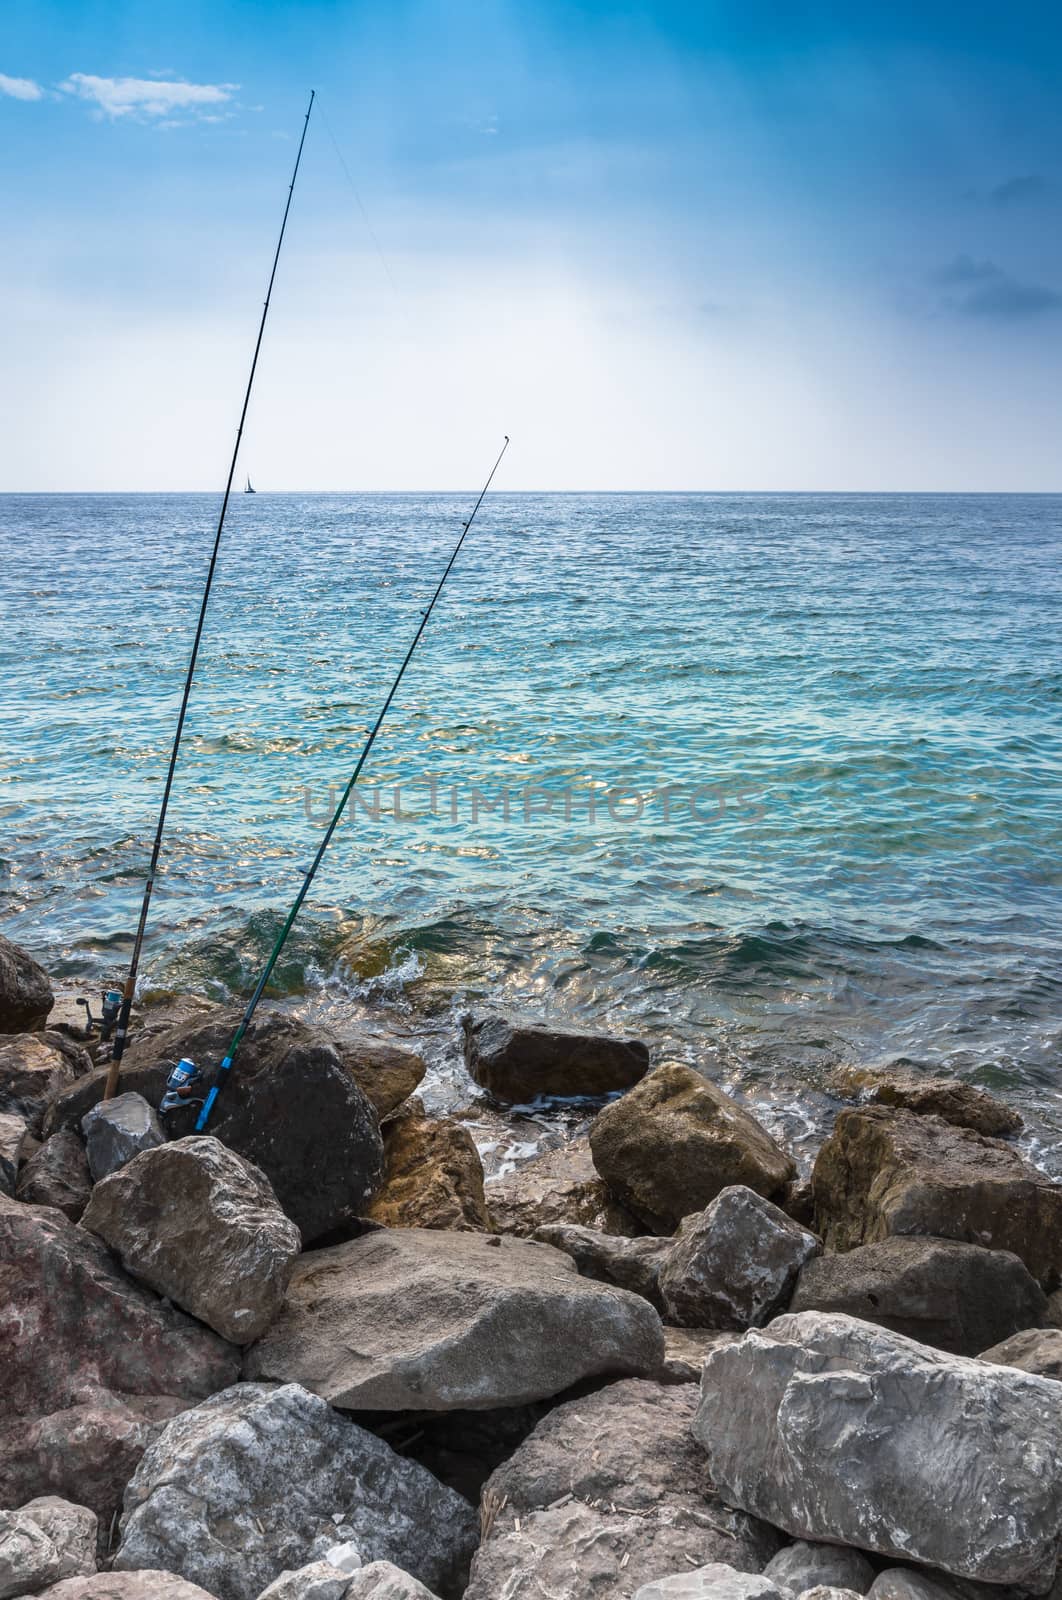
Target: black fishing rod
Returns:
[[122, 1027], [221, 1077]]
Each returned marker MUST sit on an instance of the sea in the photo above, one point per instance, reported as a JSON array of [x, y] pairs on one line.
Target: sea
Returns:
[[770, 781]]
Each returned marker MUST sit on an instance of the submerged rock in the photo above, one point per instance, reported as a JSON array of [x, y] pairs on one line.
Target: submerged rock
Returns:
[[32, 1072], [519, 1064], [959, 1103], [1036, 1350], [609, 1492], [633, 1264], [117, 1130], [25, 990], [838, 1430], [202, 1226], [278, 1476], [734, 1265], [424, 1321], [956, 1297], [71, 1322], [433, 1177], [884, 1172], [672, 1144], [557, 1186], [57, 1175]]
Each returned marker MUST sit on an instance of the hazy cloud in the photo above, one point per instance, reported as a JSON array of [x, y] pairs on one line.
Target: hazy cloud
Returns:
[[1026, 190], [144, 98], [985, 290], [20, 88]]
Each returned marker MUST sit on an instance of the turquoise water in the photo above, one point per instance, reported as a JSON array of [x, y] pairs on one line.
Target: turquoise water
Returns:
[[860, 694]]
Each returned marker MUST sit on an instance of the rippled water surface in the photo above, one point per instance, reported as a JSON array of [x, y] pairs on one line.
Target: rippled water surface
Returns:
[[800, 757]]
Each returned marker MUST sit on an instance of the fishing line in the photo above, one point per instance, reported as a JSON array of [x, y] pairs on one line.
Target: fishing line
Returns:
[[122, 1026], [221, 1077], [364, 214]]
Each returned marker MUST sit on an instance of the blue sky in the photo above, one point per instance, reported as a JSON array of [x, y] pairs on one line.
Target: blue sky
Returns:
[[664, 246]]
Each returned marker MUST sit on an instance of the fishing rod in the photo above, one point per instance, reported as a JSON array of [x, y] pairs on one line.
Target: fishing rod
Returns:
[[183, 1079], [121, 1023]]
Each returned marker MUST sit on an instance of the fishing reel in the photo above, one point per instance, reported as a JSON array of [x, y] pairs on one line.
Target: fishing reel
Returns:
[[110, 1006], [185, 1086]]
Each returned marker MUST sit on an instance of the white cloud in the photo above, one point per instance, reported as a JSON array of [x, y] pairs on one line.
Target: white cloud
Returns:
[[147, 97], [20, 88]]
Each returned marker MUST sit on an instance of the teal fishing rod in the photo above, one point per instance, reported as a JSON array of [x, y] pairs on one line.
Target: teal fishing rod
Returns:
[[186, 1083], [111, 1000]]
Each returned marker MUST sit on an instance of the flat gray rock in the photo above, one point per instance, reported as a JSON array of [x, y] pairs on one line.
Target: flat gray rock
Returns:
[[717, 1581], [425, 1321], [803, 1566], [632, 1264], [277, 1475], [734, 1265], [117, 1130], [202, 1226], [836, 1429]]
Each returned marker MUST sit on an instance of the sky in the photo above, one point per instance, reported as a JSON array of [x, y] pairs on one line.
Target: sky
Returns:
[[664, 246]]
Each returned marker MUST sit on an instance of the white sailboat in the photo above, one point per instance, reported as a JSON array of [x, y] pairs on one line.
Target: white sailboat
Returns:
[[248, 488]]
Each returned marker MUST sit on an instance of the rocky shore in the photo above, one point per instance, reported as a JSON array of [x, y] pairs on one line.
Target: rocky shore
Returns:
[[317, 1353]]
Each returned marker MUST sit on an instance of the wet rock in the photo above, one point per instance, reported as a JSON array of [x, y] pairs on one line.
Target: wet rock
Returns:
[[13, 1134], [117, 1130], [1036, 1350], [519, 1064], [956, 1102], [417, 1320], [201, 1226], [804, 1566], [686, 1350], [676, 1141], [717, 1581], [291, 1108], [86, 1453], [382, 1581], [838, 1430], [385, 1073], [885, 1172], [320, 1580], [633, 1264], [25, 990], [28, 1559], [433, 1177], [71, 1322], [126, 1586], [557, 1186], [32, 1072], [57, 1175], [956, 1297], [268, 1471], [608, 1493], [734, 1265], [71, 1529]]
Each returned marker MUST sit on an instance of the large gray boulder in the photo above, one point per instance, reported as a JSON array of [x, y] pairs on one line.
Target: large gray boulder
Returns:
[[116, 1130], [426, 1321], [609, 1492], [25, 990], [13, 1132], [293, 1108], [884, 1172], [633, 1264], [1036, 1350], [202, 1226], [71, 1323], [802, 1566], [716, 1581], [57, 1175], [520, 1064], [957, 1297], [838, 1430], [675, 1141], [32, 1072], [277, 1475], [734, 1265]]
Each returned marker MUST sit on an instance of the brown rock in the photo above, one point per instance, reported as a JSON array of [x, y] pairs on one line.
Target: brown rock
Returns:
[[884, 1172], [31, 1073], [385, 1073], [1036, 1350], [558, 1186], [126, 1586], [672, 1144], [520, 1064], [25, 990], [687, 1349], [959, 1103], [433, 1177], [57, 1175]]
